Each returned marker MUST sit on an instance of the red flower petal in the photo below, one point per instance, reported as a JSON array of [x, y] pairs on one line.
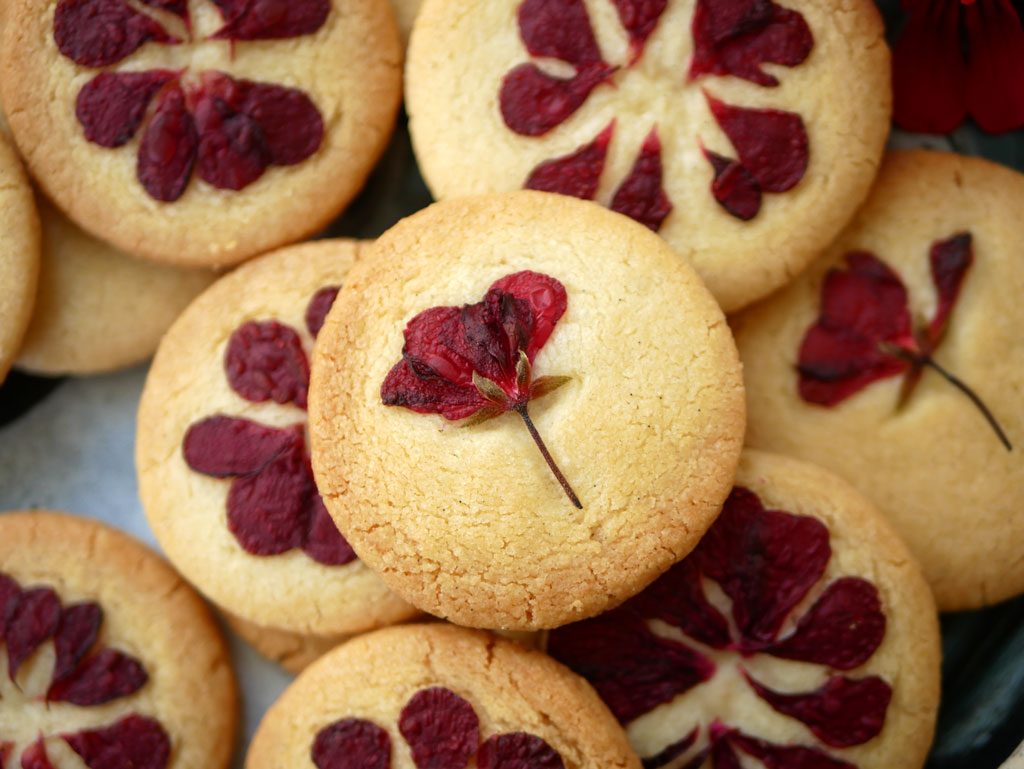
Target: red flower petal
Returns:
[[495, 330], [233, 152], [10, 592], [133, 742], [324, 543], [102, 678], [632, 670], [533, 102], [352, 744], [517, 750], [97, 33], [290, 122], [842, 713], [270, 19], [786, 756], [441, 728], [319, 307], [576, 174], [223, 446], [6, 748], [77, 632], [842, 630], [995, 65], [738, 37], [559, 29], [167, 153], [33, 757], [862, 307], [929, 72], [641, 195], [639, 18], [429, 394], [772, 144], [950, 261], [734, 188], [546, 299], [265, 361], [764, 560], [110, 107], [30, 623]]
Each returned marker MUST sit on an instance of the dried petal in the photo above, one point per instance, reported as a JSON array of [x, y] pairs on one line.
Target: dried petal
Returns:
[[77, 632], [31, 623], [576, 174], [442, 729], [133, 742], [10, 592], [267, 511], [270, 19], [168, 149], [33, 757], [950, 261], [546, 298], [98, 33], [111, 106], [106, 676], [266, 361], [352, 743], [518, 750], [224, 447], [642, 196], [995, 67], [534, 102], [290, 123], [558, 29], [233, 151], [429, 395], [324, 543], [786, 756], [734, 188], [639, 18], [319, 307]]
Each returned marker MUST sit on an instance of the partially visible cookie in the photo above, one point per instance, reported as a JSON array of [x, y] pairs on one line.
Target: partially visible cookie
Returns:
[[19, 254], [596, 336], [222, 456], [799, 633], [746, 134], [438, 695], [99, 309], [292, 651], [841, 367], [108, 654]]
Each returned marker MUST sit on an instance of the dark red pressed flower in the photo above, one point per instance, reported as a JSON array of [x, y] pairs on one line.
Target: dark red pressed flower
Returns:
[[766, 562], [477, 360], [229, 130], [864, 331], [957, 58], [273, 505]]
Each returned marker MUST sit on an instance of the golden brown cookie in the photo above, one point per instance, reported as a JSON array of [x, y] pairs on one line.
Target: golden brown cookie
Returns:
[[842, 370], [222, 455], [438, 695], [19, 254], [745, 134], [800, 632], [98, 309], [591, 330], [108, 654], [200, 133]]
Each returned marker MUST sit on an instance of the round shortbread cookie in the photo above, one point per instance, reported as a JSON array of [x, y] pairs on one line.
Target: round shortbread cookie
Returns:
[[98, 309], [932, 262], [800, 632], [19, 255], [107, 654], [467, 521], [437, 695], [200, 133], [223, 467], [745, 134]]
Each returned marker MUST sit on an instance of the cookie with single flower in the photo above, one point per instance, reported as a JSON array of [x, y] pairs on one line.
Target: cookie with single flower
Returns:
[[200, 132], [223, 458], [438, 696], [98, 309], [524, 408], [19, 254], [897, 362], [799, 633], [744, 132], [107, 658]]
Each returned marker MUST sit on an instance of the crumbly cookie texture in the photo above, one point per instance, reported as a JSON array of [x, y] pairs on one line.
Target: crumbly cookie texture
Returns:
[[187, 384], [19, 254], [511, 689], [149, 612], [660, 121], [349, 67], [99, 309], [468, 523], [933, 466]]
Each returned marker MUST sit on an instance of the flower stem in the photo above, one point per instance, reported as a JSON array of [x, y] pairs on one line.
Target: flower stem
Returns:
[[521, 410]]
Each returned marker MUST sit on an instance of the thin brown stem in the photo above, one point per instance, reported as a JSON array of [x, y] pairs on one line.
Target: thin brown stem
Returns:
[[521, 410]]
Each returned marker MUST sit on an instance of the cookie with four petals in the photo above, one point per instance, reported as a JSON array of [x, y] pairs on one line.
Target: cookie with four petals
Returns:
[[524, 408], [799, 633], [897, 362], [223, 459], [438, 696], [107, 658], [195, 132], [744, 132]]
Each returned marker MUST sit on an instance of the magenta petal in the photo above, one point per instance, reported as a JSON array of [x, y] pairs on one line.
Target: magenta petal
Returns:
[[632, 669], [995, 66], [106, 676], [319, 307], [290, 122], [576, 174], [546, 299], [517, 750], [734, 188], [950, 260], [324, 543], [558, 29], [441, 729], [31, 623], [352, 743], [429, 394], [842, 713], [233, 151], [842, 630], [786, 756], [639, 18], [267, 512], [33, 757], [270, 19], [10, 592], [642, 196], [167, 152], [435, 347], [98, 33], [223, 447], [533, 102], [133, 742], [77, 632], [265, 361], [110, 107]]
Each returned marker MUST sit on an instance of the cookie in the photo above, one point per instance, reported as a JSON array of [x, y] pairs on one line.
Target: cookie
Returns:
[[800, 632], [108, 654], [745, 134], [222, 455], [839, 367], [292, 651], [98, 309], [437, 695], [19, 255], [605, 344], [200, 133]]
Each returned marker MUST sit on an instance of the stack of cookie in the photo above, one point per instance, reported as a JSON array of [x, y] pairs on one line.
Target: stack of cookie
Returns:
[[520, 412]]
